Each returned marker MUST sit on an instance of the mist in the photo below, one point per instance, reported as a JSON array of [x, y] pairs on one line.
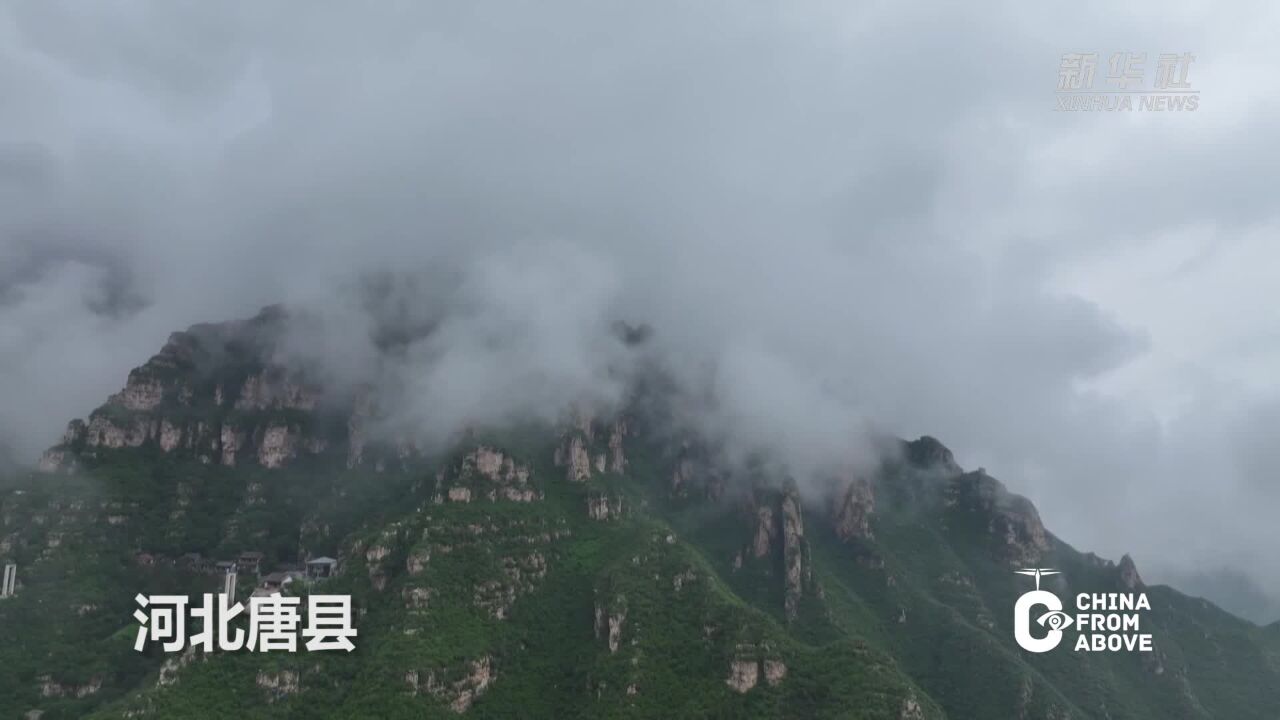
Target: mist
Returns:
[[840, 219]]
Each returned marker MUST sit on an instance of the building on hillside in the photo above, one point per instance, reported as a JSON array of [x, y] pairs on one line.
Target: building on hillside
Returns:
[[249, 562], [276, 581], [194, 562], [322, 567]]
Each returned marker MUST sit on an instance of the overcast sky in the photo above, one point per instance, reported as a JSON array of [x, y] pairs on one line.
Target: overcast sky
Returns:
[[855, 212]]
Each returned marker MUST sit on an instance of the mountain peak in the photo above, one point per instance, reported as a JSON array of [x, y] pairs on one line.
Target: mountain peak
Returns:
[[928, 452], [217, 391]]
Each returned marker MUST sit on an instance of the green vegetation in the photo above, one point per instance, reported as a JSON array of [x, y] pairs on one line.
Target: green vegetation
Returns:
[[533, 609]]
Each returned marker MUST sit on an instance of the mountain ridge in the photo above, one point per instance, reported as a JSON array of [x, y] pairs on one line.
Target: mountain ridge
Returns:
[[633, 563]]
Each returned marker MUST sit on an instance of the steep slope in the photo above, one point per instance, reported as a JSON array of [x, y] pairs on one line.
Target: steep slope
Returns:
[[599, 567]]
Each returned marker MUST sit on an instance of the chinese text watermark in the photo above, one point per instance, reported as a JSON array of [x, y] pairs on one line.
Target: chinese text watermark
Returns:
[[273, 623], [1125, 87]]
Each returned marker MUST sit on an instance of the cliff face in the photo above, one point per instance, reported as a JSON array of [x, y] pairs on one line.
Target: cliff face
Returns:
[[778, 539], [1009, 522], [794, 553], [853, 509], [223, 394], [489, 474], [590, 447]]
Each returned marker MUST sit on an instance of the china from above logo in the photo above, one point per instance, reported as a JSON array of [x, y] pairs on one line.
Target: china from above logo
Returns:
[[1104, 622]]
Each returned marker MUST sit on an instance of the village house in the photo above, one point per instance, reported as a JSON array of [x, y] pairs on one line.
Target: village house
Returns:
[[276, 581], [322, 567], [195, 562], [249, 562]]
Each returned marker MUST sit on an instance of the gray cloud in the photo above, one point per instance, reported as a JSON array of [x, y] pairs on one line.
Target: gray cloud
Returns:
[[838, 216]]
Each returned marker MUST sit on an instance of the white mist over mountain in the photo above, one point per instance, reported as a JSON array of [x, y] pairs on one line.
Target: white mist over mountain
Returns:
[[837, 218]]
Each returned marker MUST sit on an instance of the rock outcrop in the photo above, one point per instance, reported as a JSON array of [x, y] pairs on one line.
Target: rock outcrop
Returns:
[[277, 389], [1128, 575], [50, 688], [357, 425], [617, 452], [417, 598], [279, 445], [610, 622], [486, 473], [1010, 521], [216, 391], [520, 575], [113, 433], [572, 455], [279, 684], [476, 677], [601, 506], [56, 459], [173, 665], [170, 435], [417, 561], [750, 664], [794, 552], [779, 535], [852, 517], [590, 447], [766, 532], [141, 392], [911, 710], [230, 441], [681, 477], [695, 473], [774, 672], [743, 675], [928, 453]]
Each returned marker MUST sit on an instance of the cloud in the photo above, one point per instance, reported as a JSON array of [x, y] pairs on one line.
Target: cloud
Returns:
[[837, 216]]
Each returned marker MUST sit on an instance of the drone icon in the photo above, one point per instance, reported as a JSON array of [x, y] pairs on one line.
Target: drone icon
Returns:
[[1037, 573]]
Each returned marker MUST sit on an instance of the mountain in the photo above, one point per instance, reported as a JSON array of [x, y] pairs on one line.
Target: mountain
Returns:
[[605, 565], [1232, 589]]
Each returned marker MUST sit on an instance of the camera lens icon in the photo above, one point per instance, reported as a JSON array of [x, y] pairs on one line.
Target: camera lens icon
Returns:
[[1056, 620]]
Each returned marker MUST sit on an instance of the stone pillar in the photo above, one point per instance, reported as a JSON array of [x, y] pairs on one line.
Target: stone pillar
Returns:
[[10, 584], [229, 586]]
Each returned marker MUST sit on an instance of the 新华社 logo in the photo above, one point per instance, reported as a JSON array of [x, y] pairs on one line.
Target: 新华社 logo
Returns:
[[1104, 622]]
